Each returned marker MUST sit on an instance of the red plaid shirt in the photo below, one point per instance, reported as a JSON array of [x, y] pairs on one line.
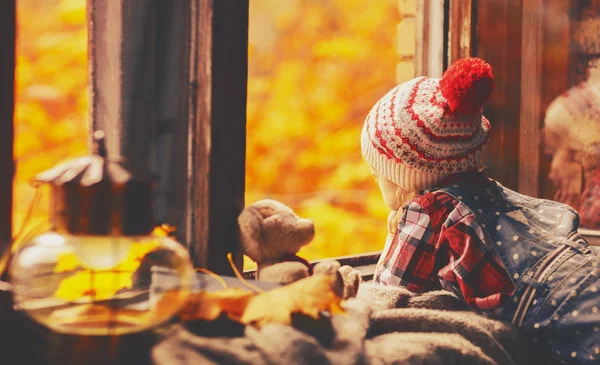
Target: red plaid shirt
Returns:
[[439, 241]]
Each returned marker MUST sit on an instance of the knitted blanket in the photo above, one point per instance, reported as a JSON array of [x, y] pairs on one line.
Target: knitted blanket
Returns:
[[383, 325]]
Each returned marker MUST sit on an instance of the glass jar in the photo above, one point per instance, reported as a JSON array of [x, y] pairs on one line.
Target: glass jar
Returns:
[[96, 285]]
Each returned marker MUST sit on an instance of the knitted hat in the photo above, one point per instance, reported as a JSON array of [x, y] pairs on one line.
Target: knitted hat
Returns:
[[426, 129]]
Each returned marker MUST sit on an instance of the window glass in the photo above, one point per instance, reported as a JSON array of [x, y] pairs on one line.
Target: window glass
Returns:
[[316, 67], [571, 133], [51, 97]]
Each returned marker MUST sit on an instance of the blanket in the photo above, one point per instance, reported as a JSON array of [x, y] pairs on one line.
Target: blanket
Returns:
[[382, 325]]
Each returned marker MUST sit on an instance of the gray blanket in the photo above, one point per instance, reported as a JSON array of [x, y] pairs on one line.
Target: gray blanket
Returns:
[[383, 325]]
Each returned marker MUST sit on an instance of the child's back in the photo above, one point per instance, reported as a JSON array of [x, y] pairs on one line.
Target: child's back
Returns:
[[506, 254]]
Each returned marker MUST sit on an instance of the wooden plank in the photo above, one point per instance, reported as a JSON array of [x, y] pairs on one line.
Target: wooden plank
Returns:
[[365, 263], [179, 106], [429, 59], [460, 29], [7, 99], [10, 334], [172, 88], [497, 31], [531, 92], [422, 49], [219, 69], [545, 70], [121, 54]]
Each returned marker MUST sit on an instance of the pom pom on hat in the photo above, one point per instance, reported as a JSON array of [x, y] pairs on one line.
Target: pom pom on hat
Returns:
[[428, 128], [467, 85]]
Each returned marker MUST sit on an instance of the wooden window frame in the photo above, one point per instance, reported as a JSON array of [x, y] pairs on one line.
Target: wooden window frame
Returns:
[[430, 43], [180, 108], [522, 92], [9, 329]]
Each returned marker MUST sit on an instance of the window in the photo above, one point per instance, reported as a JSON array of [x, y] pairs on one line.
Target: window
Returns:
[[308, 92], [570, 170], [315, 70], [545, 101]]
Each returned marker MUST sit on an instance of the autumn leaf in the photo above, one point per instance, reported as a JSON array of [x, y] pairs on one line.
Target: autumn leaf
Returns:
[[308, 296], [92, 285], [164, 230], [99, 284], [209, 305]]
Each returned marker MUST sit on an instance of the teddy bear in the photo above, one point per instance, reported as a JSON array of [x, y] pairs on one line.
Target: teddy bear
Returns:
[[272, 234]]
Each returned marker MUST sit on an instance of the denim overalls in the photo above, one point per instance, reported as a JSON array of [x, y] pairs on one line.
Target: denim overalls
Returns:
[[556, 274]]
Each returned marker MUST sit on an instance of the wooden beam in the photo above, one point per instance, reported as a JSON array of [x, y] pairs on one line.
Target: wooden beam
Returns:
[[544, 75], [423, 29], [7, 102], [11, 334], [121, 76], [460, 29], [429, 58], [168, 83], [498, 30], [217, 107], [531, 92]]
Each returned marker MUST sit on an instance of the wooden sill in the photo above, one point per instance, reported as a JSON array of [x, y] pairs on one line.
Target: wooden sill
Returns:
[[366, 262]]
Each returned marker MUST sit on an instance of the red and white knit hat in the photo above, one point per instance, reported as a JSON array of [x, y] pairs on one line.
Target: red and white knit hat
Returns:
[[426, 129]]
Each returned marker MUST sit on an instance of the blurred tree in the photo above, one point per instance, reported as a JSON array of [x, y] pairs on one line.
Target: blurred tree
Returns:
[[51, 106], [316, 68]]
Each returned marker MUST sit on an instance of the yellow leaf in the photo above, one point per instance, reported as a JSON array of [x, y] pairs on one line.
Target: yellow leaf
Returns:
[[209, 305], [92, 285], [164, 230], [307, 296]]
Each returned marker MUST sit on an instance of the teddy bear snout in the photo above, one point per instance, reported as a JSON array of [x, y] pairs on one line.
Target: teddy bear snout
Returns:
[[307, 229]]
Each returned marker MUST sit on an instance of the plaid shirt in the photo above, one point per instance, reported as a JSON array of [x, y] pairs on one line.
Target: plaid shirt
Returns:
[[439, 241]]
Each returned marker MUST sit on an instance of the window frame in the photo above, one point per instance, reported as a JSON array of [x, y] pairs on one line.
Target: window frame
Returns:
[[7, 109], [213, 79], [9, 331], [199, 137], [213, 38]]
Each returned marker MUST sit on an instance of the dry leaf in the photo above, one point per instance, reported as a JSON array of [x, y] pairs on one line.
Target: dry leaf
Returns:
[[164, 230], [209, 305], [307, 296]]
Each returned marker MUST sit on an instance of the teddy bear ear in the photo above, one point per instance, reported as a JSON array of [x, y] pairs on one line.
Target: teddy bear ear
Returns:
[[250, 222]]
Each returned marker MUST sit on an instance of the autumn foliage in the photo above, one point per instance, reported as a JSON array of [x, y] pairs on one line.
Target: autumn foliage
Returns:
[[51, 105], [315, 69]]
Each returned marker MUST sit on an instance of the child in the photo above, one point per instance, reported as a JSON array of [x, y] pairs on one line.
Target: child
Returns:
[[514, 257]]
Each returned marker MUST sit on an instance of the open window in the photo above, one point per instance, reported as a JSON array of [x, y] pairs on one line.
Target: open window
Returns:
[[315, 70], [189, 76]]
